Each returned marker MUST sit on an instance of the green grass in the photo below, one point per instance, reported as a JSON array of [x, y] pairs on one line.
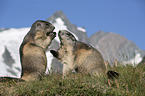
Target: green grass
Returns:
[[130, 83]]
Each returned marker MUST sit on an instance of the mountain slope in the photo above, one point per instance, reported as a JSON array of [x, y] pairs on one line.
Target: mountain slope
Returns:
[[114, 46]]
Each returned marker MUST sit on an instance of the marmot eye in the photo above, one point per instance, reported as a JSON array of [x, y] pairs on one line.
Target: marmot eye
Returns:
[[47, 34], [47, 24]]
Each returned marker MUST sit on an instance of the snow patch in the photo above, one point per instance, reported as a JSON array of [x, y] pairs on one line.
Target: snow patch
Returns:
[[49, 61], [134, 61], [60, 25], [81, 29], [11, 39]]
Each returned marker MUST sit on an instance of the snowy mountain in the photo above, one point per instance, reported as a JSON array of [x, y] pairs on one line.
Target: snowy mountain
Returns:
[[111, 45]]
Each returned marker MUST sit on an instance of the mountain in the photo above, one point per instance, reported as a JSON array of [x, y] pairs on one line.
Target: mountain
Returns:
[[112, 46], [61, 21]]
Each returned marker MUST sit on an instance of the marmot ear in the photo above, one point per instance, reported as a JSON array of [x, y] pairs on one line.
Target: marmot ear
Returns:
[[54, 53]]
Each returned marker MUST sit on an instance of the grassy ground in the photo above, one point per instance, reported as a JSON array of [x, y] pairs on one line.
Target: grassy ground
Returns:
[[130, 83]]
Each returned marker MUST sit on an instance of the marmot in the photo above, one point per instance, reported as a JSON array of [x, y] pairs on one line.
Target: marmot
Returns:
[[78, 56], [32, 50]]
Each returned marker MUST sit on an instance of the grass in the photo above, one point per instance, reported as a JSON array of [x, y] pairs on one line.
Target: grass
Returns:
[[130, 83]]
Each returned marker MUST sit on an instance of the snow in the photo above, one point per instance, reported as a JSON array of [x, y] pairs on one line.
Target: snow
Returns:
[[60, 25], [49, 61], [11, 39], [134, 61], [81, 29]]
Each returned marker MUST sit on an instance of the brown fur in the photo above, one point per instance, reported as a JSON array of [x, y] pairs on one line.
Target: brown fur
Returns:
[[78, 56], [33, 47]]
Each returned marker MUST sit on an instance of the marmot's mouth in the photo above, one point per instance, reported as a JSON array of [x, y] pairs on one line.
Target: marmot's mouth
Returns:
[[51, 34]]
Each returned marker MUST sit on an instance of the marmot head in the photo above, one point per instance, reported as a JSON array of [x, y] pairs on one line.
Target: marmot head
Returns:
[[67, 44], [43, 27], [41, 34], [66, 38]]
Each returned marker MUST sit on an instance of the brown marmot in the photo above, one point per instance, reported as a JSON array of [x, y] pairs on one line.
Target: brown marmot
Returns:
[[32, 50], [79, 56]]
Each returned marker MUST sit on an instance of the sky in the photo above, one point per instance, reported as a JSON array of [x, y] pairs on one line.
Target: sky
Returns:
[[123, 17]]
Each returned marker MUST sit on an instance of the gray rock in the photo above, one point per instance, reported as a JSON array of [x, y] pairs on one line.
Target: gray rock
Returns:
[[114, 46]]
